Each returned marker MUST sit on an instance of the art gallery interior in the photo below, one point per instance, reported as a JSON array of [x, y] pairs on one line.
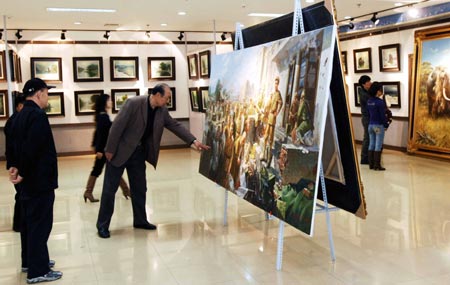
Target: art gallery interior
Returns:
[[206, 235]]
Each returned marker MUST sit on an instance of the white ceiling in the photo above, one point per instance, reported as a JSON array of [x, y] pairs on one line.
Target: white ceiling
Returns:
[[149, 14]]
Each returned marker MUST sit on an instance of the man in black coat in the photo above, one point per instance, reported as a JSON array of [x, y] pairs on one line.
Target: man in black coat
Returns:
[[363, 93], [33, 166]]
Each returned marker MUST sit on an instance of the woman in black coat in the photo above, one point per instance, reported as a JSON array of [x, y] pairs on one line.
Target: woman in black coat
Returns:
[[103, 104]]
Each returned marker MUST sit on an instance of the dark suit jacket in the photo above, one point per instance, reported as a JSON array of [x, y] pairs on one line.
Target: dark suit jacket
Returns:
[[32, 150], [129, 126]]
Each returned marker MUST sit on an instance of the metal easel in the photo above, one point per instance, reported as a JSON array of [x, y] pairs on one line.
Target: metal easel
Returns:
[[239, 44]]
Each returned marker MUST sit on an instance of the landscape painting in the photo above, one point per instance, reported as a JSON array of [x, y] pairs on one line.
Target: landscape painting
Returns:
[[265, 122]]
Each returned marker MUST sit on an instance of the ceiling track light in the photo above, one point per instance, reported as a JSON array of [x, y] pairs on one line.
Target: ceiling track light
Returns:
[[351, 26], [63, 35], [106, 35], [181, 36], [147, 34], [375, 20], [1, 35], [18, 35], [223, 36]]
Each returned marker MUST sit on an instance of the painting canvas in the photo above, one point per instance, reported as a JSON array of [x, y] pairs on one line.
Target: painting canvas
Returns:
[[389, 57], [15, 68], [3, 104], [356, 89], [194, 98], [161, 68], [47, 68], [2, 66], [119, 96], [204, 95], [391, 91], [205, 64], [265, 122], [430, 120], [344, 62], [85, 101], [124, 68], [87, 69], [55, 105], [193, 66], [172, 103], [362, 60]]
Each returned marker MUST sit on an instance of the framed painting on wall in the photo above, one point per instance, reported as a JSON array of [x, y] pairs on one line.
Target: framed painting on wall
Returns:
[[344, 62], [124, 68], [391, 91], [204, 95], [3, 104], [161, 68], [48, 69], [362, 60], [171, 104], [85, 101], [55, 105], [193, 66], [389, 56], [87, 69], [357, 87], [2, 66], [16, 67], [430, 103], [205, 65], [194, 97], [119, 96]]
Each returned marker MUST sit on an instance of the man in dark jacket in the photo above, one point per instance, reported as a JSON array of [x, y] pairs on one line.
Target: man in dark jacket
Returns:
[[33, 166], [365, 83]]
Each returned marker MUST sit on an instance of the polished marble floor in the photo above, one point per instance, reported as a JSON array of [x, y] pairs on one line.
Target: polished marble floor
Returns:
[[404, 240]]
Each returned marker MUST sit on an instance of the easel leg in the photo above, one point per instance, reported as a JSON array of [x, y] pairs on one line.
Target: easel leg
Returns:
[[280, 245], [225, 208], [327, 215]]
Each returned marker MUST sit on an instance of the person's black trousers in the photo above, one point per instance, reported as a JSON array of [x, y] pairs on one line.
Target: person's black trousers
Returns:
[[37, 221], [135, 167], [17, 209]]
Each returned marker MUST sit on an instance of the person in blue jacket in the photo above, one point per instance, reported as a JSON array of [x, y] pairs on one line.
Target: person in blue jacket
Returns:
[[377, 124]]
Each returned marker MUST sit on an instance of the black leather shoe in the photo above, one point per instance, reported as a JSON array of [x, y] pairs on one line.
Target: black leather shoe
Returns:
[[145, 226], [103, 233]]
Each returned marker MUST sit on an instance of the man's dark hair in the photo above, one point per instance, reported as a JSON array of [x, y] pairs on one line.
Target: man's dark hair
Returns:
[[374, 88], [19, 98], [159, 88], [363, 80]]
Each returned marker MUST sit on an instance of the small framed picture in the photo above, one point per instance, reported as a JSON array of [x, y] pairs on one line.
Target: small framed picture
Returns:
[[344, 62], [391, 91], [205, 64], [124, 68], [2, 66], [119, 96], [362, 60], [48, 69], [357, 87], [55, 105], [194, 97], [389, 56], [87, 69], [204, 95], [193, 66], [16, 67], [85, 101], [3, 104], [161, 68], [171, 104]]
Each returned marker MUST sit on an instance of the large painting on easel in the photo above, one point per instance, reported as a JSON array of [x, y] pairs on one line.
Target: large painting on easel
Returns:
[[429, 123], [265, 123]]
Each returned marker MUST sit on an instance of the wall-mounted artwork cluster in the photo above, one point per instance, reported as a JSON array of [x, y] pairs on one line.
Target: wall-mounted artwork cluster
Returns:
[[199, 66]]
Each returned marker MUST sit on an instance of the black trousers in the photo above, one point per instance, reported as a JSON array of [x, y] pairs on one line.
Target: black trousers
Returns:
[[37, 221], [135, 167], [98, 166], [17, 209]]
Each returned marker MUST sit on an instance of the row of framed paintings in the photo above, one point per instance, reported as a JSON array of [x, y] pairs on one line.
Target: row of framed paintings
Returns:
[[389, 59], [199, 66], [84, 101], [199, 97], [90, 69], [391, 91]]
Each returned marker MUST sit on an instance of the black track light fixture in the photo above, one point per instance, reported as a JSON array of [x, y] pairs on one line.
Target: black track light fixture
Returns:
[[181, 36], [351, 26], [1, 35], [147, 34], [63, 35], [223, 36], [106, 35], [375, 20], [18, 35]]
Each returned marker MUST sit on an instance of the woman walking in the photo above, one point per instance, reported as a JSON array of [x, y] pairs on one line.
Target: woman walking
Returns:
[[103, 123]]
